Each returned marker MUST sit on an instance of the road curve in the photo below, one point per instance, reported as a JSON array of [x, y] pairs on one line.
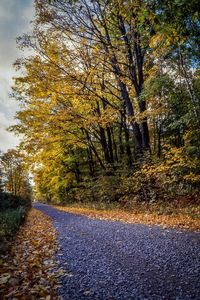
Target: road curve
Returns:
[[109, 260]]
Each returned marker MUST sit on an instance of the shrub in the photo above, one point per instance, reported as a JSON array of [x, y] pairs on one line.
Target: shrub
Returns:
[[13, 210], [10, 220], [9, 201]]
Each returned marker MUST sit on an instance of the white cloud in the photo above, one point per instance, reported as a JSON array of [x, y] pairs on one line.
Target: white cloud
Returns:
[[15, 17], [4, 122], [8, 140], [28, 14], [6, 10]]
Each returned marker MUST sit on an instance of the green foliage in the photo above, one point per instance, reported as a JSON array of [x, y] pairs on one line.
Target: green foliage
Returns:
[[102, 189], [9, 201], [13, 210], [10, 220]]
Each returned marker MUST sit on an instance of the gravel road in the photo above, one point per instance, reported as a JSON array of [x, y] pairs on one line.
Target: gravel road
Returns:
[[109, 260]]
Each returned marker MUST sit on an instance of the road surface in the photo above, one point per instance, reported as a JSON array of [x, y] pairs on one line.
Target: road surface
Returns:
[[108, 260]]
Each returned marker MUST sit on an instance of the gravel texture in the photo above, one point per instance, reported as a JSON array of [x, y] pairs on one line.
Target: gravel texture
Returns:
[[117, 261]]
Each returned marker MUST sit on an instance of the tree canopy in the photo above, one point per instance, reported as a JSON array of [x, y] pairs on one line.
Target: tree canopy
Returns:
[[110, 98]]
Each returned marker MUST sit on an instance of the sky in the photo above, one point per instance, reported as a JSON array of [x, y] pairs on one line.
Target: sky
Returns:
[[15, 17]]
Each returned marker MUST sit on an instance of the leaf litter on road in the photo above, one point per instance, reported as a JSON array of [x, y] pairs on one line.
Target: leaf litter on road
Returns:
[[179, 220]]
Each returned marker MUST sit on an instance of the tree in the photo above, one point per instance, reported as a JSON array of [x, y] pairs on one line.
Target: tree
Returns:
[[15, 177], [110, 86]]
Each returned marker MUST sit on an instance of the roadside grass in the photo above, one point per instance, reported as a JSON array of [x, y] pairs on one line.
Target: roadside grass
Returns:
[[181, 213]]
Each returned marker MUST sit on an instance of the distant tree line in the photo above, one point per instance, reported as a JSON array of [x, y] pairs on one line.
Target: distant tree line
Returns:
[[15, 196], [15, 187]]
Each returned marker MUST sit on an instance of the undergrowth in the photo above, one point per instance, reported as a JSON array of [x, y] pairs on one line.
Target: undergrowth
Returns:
[[13, 211]]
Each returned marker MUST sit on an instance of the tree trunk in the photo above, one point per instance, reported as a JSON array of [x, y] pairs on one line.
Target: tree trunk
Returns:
[[128, 148], [114, 145], [110, 145], [104, 145]]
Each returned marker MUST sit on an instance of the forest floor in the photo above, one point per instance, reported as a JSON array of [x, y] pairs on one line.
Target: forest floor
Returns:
[[27, 270], [181, 213]]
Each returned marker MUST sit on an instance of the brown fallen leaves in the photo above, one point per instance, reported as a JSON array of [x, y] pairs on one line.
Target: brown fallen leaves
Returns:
[[27, 271], [177, 220]]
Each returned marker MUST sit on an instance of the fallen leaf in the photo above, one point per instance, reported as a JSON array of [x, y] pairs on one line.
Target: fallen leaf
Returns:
[[4, 278]]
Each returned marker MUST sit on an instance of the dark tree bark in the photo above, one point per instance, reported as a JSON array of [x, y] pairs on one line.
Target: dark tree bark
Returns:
[[136, 75], [127, 139], [110, 145], [114, 145], [90, 161], [93, 149]]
